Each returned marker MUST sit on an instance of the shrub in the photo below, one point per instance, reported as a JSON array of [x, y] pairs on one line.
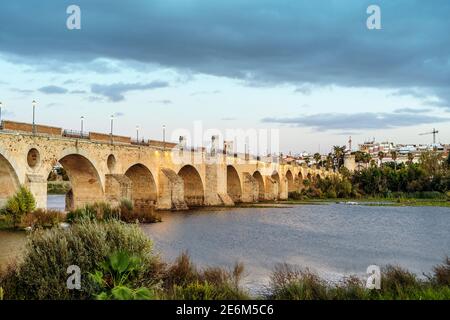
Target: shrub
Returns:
[[100, 211], [48, 253], [20, 204], [442, 273], [41, 218], [288, 283], [130, 214], [295, 195], [183, 280]]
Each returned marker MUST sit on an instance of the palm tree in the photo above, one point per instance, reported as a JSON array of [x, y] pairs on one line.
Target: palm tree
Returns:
[[394, 157], [317, 158], [381, 156], [339, 153]]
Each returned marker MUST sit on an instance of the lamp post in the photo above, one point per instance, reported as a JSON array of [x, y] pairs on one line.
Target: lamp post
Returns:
[[137, 134], [164, 136], [82, 122], [34, 103], [1, 104], [112, 127]]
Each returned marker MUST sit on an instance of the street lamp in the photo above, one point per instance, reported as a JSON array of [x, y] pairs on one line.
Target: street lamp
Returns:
[[112, 124], [137, 134], [34, 103], [164, 136], [82, 122]]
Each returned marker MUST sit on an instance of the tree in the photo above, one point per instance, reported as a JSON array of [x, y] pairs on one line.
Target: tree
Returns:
[[394, 157], [317, 158], [20, 204], [381, 156], [338, 156]]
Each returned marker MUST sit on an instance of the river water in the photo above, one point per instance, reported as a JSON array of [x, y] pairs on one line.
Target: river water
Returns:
[[333, 239]]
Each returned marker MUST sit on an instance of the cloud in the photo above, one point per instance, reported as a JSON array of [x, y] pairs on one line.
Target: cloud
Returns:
[[358, 121], [164, 101], [78, 91], [53, 90], [266, 41], [304, 89], [228, 119], [115, 92], [412, 110], [199, 93], [23, 91]]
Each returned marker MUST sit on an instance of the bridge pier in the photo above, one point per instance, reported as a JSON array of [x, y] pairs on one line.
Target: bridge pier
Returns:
[[171, 191], [37, 185], [250, 192], [117, 188]]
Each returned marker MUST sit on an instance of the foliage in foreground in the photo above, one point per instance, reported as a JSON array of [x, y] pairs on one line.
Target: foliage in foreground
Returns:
[[20, 204], [117, 262], [289, 283], [42, 272]]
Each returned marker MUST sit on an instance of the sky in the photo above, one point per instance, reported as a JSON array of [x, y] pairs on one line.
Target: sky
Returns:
[[310, 69]]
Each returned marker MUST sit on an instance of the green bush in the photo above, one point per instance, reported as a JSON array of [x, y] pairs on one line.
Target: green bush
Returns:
[[48, 253], [116, 275], [19, 205]]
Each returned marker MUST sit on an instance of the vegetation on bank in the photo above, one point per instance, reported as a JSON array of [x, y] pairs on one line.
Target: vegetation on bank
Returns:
[[58, 187], [20, 212], [117, 261], [427, 179]]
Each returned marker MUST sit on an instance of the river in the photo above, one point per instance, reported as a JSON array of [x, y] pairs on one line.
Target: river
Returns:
[[334, 239]]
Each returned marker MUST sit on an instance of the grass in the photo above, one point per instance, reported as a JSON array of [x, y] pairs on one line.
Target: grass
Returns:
[[290, 283]]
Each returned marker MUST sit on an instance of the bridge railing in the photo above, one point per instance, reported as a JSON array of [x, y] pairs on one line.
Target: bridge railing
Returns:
[[75, 134], [140, 142]]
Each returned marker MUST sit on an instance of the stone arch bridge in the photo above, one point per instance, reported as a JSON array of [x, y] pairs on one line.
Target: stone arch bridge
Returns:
[[152, 173]]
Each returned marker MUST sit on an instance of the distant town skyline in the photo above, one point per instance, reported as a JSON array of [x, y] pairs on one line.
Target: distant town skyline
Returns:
[[311, 69]]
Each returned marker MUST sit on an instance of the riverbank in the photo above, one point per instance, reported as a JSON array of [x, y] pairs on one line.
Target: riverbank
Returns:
[[376, 201]]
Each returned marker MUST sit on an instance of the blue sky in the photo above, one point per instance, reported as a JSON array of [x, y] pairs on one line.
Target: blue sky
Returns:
[[310, 68]]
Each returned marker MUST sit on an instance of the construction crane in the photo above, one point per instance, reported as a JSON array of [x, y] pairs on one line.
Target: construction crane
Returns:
[[434, 132]]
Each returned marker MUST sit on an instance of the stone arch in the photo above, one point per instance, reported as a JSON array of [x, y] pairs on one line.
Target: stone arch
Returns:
[[143, 187], [9, 181], [84, 178], [290, 181], [261, 188], [234, 188], [301, 185], [277, 184], [194, 194]]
